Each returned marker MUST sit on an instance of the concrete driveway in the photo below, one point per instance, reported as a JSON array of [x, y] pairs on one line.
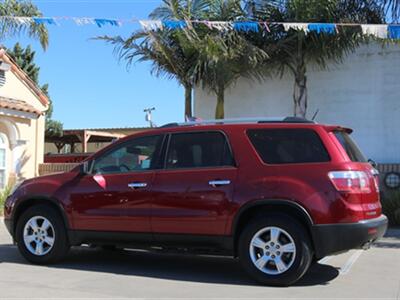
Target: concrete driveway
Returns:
[[91, 273]]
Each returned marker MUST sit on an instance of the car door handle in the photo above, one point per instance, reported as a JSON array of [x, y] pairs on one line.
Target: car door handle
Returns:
[[215, 183], [137, 185]]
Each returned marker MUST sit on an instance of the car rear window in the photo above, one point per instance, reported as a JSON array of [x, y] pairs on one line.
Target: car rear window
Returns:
[[288, 146], [350, 146]]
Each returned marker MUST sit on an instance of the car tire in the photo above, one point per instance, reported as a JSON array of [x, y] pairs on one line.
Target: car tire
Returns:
[[109, 248], [41, 235], [275, 249]]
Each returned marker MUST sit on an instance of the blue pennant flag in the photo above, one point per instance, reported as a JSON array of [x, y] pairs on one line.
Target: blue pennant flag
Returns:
[[322, 28], [394, 31], [174, 24], [103, 22], [48, 21], [246, 26]]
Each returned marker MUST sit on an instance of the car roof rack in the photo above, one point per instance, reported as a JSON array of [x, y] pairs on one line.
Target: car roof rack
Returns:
[[241, 121]]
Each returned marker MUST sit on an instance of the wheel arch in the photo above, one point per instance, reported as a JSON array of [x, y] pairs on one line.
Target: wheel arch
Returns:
[[25, 204], [288, 207]]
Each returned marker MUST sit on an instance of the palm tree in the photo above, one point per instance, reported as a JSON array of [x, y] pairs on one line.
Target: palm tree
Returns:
[[181, 10], [194, 55], [171, 53], [295, 50], [10, 27], [224, 56], [223, 59]]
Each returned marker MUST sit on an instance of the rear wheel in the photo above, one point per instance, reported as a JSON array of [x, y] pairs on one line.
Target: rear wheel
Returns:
[[41, 235], [275, 250]]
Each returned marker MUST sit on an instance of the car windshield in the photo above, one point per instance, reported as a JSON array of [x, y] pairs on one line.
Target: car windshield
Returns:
[[350, 147]]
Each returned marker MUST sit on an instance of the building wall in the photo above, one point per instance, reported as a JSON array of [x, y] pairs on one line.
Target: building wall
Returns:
[[16, 89], [26, 152], [24, 131], [362, 93]]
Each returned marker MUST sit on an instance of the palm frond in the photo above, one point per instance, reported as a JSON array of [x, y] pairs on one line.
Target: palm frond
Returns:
[[10, 27]]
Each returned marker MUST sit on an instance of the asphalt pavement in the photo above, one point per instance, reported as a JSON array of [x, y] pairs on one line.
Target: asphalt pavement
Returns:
[[93, 273]]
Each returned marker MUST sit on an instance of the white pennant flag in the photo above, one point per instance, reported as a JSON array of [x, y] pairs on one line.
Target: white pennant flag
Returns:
[[379, 30], [84, 21], [151, 25], [295, 26], [221, 26], [22, 20]]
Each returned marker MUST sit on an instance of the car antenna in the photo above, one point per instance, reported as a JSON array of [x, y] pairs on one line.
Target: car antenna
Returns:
[[315, 115]]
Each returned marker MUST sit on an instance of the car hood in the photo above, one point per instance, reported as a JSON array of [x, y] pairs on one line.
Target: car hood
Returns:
[[46, 185]]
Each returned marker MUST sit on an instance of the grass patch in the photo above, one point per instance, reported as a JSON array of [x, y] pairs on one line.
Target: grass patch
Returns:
[[3, 196], [391, 207]]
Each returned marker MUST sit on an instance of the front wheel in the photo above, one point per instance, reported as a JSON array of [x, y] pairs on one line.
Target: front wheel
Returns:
[[41, 235], [275, 250]]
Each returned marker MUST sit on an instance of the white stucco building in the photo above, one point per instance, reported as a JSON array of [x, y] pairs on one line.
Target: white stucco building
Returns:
[[362, 93], [22, 123]]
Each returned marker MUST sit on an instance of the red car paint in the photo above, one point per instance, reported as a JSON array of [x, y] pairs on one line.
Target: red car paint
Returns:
[[182, 201]]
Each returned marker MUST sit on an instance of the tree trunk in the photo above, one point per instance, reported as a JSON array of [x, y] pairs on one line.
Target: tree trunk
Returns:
[[300, 79], [220, 111], [300, 96], [188, 101]]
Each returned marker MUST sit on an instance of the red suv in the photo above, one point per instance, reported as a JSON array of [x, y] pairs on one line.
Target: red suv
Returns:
[[278, 194]]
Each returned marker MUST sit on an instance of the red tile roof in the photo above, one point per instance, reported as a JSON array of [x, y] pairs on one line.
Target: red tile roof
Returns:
[[9, 103]]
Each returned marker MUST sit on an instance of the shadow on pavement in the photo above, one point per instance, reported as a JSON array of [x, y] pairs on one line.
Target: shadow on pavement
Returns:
[[391, 241], [211, 269]]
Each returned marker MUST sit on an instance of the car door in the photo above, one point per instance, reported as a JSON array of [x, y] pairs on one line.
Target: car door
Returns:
[[193, 193], [116, 195]]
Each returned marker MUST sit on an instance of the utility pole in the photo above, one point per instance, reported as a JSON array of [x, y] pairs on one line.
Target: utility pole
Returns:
[[148, 117]]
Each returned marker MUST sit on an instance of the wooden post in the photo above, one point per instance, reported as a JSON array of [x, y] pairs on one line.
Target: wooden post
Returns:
[[84, 139], [59, 146]]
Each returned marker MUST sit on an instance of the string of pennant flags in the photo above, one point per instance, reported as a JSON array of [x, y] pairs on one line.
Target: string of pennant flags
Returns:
[[391, 31]]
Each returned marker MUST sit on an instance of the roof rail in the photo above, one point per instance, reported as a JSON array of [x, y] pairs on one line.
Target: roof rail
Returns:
[[293, 120], [241, 121], [168, 125]]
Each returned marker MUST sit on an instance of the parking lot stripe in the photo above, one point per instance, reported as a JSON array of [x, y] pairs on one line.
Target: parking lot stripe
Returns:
[[325, 260], [350, 262]]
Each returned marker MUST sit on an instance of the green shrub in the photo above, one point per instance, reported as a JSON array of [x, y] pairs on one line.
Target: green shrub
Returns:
[[3, 196], [391, 207]]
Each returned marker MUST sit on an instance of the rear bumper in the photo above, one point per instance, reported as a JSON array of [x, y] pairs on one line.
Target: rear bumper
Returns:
[[334, 238]]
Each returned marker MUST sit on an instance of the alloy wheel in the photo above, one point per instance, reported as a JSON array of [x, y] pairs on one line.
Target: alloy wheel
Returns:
[[272, 250], [39, 236]]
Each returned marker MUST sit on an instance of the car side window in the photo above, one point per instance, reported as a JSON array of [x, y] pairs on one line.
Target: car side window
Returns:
[[198, 150], [288, 146], [139, 154]]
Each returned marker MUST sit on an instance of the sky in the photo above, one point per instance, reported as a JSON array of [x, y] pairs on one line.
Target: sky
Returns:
[[89, 86]]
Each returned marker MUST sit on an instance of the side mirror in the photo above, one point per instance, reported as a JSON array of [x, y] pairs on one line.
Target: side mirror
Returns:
[[85, 167], [373, 163]]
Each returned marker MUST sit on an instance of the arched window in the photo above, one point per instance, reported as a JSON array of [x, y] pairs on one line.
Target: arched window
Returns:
[[3, 161]]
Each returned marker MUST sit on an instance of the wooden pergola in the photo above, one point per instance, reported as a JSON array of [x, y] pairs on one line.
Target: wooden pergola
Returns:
[[73, 137]]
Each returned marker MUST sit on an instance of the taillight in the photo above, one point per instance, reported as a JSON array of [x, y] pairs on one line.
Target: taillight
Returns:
[[350, 181]]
